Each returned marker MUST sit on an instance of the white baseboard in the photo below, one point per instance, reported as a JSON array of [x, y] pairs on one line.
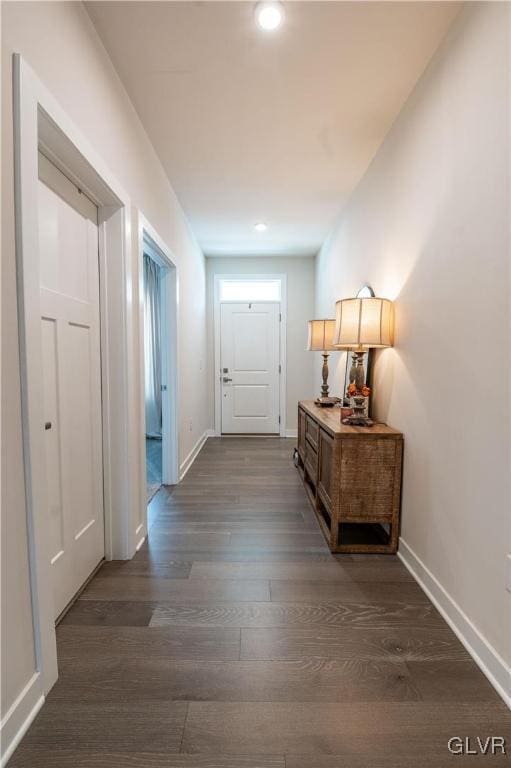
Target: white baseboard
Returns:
[[284, 433], [19, 717], [187, 463], [484, 654]]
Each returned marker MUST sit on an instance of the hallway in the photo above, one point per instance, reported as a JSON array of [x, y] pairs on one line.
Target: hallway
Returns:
[[234, 639]]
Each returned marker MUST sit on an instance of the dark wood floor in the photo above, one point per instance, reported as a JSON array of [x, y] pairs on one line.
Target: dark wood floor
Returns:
[[234, 639]]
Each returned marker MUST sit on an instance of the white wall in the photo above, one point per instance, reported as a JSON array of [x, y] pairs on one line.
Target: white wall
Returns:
[[428, 227], [300, 308], [62, 47]]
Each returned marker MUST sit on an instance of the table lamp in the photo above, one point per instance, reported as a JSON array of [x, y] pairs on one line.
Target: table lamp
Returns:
[[321, 333], [361, 324]]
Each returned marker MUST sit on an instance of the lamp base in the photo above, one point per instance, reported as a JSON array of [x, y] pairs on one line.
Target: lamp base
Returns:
[[327, 402], [358, 417], [358, 421]]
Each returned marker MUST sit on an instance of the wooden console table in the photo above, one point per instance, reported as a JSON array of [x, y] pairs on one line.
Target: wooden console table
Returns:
[[352, 476]]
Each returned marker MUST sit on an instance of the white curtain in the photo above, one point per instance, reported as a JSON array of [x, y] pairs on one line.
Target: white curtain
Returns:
[[152, 347]]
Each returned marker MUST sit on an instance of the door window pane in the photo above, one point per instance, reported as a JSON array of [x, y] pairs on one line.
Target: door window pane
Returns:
[[249, 290]]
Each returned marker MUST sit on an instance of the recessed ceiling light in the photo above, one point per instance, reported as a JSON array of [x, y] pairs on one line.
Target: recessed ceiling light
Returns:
[[269, 15], [261, 226]]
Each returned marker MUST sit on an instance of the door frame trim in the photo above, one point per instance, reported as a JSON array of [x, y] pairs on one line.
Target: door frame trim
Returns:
[[149, 239], [217, 278], [40, 123]]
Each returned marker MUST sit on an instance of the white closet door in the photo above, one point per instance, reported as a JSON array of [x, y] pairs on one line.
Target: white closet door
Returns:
[[70, 333], [250, 355]]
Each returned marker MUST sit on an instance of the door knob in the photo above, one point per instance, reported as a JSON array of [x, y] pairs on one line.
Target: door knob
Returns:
[[226, 378]]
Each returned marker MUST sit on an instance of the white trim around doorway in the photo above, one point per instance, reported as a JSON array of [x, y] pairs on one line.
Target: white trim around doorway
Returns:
[[41, 124], [217, 278], [150, 241]]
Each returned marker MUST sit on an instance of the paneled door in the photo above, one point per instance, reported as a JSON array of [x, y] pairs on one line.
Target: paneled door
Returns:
[[249, 359], [70, 334]]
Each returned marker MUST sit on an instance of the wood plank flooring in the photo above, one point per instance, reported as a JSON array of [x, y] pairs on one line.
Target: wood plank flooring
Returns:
[[234, 639]]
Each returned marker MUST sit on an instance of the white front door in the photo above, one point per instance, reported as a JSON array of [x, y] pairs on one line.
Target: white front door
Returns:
[[249, 360], [70, 332]]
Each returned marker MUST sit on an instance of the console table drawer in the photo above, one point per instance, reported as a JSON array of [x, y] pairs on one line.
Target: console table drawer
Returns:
[[311, 432], [311, 461], [326, 468], [302, 420]]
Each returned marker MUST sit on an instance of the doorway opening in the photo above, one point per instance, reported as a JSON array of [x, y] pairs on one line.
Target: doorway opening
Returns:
[[153, 382], [250, 354], [158, 316], [77, 417]]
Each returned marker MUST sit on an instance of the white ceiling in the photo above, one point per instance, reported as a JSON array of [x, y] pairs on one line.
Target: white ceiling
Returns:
[[278, 126]]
